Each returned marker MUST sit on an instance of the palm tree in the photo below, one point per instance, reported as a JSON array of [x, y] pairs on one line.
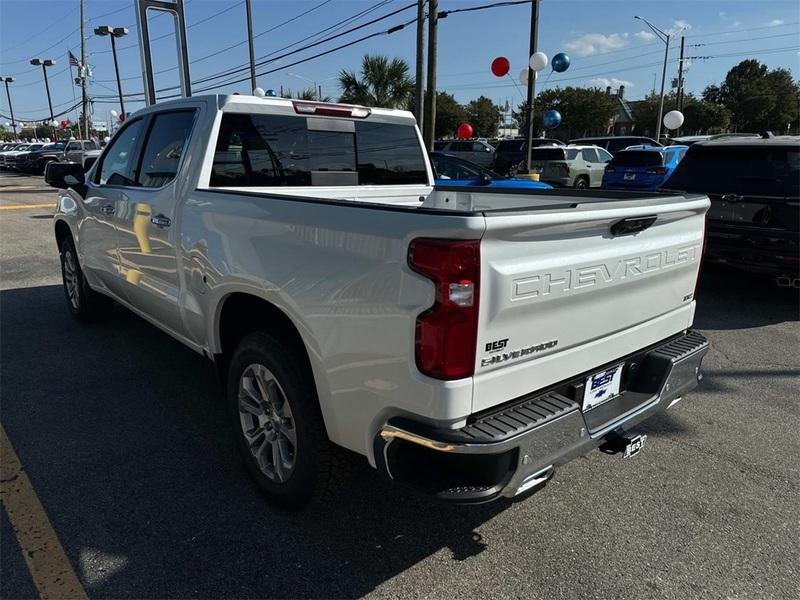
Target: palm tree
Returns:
[[306, 94], [383, 83]]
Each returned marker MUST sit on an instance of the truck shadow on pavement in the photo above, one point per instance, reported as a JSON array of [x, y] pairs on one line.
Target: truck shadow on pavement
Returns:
[[732, 299], [123, 434]]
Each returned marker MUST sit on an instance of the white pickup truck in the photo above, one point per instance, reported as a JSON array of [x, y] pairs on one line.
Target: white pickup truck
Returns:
[[466, 341]]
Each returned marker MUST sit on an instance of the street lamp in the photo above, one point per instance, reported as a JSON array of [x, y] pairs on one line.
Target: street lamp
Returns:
[[44, 63], [114, 33], [664, 37], [8, 80]]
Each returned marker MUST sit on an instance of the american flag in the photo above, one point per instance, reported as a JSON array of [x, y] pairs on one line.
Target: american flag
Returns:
[[73, 60]]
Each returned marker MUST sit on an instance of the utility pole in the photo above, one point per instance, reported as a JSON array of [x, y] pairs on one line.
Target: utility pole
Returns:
[[419, 91], [531, 83], [430, 109], [8, 80], [84, 73], [680, 81], [253, 85]]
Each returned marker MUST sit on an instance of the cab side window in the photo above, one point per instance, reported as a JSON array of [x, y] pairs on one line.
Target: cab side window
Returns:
[[165, 145], [118, 165]]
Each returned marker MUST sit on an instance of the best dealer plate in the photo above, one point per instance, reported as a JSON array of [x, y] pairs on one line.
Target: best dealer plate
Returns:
[[629, 176], [601, 387]]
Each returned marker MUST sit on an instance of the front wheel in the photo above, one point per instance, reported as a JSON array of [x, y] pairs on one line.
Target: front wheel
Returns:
[[277, 422], [83, 302]]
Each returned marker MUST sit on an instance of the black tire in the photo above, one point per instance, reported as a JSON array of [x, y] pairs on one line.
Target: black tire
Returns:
[[84, 304], [316, 464], [581, 183]]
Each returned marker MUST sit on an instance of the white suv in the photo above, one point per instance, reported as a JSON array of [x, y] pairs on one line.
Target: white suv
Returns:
[[570, 166]]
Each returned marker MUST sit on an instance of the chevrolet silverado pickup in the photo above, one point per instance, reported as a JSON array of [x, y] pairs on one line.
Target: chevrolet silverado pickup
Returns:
[[465, 340]]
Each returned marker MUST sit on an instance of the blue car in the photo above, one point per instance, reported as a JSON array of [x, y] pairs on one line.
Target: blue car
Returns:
[[642, 167], [451, 171]]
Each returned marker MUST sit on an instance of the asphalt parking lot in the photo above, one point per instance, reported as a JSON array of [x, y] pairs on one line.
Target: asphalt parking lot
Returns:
[[121, 434]]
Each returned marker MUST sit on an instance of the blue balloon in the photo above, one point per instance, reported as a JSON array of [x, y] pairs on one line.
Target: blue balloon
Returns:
[[552, 119], [271, 93], [560, 62]]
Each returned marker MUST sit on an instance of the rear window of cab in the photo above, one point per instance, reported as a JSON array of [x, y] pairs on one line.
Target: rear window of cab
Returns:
[[258, 150], [638, 158]]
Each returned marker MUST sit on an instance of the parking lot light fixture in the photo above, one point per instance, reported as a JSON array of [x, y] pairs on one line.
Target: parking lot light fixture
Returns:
[[114, 33], [664, 37], [44, 63], [8, 80]]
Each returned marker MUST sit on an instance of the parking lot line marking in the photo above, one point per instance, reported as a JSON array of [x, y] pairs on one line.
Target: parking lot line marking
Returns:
[[49, 566], [15, 188], [21, 206]]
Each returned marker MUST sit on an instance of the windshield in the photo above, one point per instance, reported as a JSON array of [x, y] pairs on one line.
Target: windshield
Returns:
[[57, 146], [638, 158], [748, 170], [547, 154]]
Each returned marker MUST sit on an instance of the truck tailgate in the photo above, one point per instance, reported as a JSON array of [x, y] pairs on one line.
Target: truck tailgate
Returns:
[[564, 291]]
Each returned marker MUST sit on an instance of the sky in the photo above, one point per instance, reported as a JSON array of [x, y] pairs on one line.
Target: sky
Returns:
[[607, 46]]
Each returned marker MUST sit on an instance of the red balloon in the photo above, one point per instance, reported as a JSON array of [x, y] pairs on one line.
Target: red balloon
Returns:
[[500, 66], [64, 124], [122, 117], [464, 131]]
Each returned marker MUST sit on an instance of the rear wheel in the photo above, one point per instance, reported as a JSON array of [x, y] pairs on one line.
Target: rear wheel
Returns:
[[581, 183], [277, 423], [83, 302]]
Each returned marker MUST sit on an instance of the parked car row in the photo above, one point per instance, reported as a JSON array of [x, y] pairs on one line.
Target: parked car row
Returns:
[[34, 158]]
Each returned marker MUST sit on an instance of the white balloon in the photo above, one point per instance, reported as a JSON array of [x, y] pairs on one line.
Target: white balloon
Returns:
[[673, 119], [259, 92], [525, 73], [114, 114], [538, 61]]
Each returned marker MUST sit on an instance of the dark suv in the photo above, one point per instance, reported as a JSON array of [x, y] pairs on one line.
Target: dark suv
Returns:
[[615, 143], [754, 186], [510, 153]]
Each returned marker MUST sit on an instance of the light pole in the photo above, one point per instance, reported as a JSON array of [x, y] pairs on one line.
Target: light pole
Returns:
[[44, 63], [8, 80], [664, 37], [114, 33]]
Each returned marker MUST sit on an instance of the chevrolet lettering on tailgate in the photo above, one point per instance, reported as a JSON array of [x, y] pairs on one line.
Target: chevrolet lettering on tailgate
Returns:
[[566, 280]]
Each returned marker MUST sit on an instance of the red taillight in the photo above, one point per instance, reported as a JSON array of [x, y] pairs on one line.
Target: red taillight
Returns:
[[446, 333], [657, 171]]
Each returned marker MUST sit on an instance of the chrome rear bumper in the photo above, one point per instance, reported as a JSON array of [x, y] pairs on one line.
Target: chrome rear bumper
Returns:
[[516, 447]]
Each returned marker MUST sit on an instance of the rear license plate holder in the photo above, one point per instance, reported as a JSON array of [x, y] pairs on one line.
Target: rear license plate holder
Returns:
[[602, 387], [629, 176]]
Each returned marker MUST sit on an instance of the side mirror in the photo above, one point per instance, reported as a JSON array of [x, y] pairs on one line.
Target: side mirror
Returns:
[[64, 175]]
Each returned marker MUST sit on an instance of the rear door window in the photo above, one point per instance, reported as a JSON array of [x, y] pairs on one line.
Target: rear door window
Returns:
[[164, 148], [547, 154], [746, 170], [637, 158], [590, 155]]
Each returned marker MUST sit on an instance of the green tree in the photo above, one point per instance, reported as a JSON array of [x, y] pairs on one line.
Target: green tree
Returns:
[[759, 99], [703, 116], [645, 112], [584, 111], [449, 114], [305, 94], [484, 116], [382, 82]]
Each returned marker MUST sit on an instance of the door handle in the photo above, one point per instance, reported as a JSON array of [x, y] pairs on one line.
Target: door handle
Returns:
[[160, 221], [731, 197], [107, 209], [632, 225]]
